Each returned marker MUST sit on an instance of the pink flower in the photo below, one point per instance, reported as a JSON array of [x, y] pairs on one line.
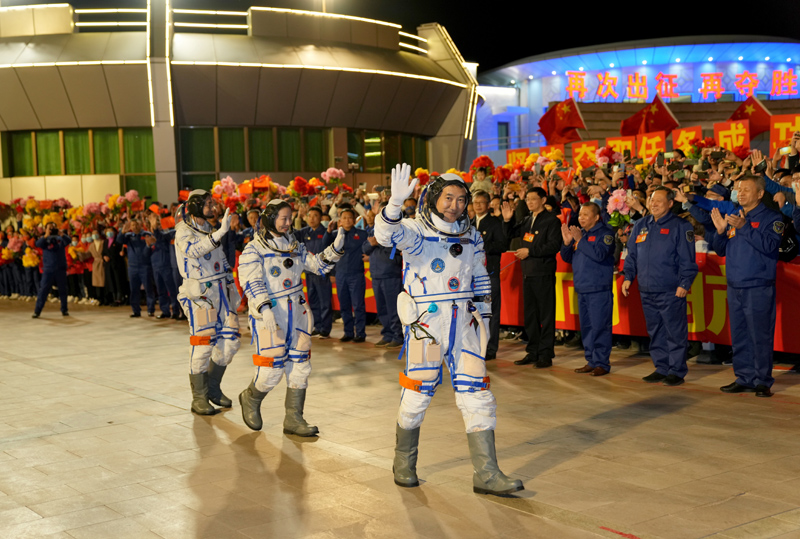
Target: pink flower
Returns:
[[132, 195], [281, 189], [15, 244], [104, 208], [218, 190], [617, 157], [617, 202], [107, 197], [228, 186], [542, 160], [91, 208], [332, 174], [602, 160]]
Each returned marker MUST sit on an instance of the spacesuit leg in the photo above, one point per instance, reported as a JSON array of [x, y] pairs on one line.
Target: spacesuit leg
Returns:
[[202, 322]]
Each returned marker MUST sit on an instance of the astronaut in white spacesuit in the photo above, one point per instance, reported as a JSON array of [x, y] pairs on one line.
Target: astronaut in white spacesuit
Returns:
[[208, 297], [444, 307], [270, 271]]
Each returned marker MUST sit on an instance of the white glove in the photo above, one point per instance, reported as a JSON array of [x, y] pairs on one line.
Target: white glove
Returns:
[[401, 188], [224, 226], [338, 243], [268, 320]]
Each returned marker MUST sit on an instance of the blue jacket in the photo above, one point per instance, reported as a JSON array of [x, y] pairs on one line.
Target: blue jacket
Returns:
[[351, 264], [160, 257], [661, 253], [54, 257], [751, 252], [380, 265], [592, 259], [312, 238], [138, 251]]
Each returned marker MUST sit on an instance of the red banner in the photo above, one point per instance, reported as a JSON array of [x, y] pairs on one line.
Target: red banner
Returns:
[[583, 153], [781, 128], [682, 137], [519, 154], [707, 302], [732, 135], [620, 144], [547, 149], [649, 144]]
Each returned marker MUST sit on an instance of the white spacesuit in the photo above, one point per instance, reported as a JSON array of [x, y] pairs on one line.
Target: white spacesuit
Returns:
[[445, 300], [270, 271], [209, 298]]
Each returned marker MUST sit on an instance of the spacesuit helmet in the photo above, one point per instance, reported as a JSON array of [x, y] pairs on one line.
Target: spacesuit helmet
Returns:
[[266, 221], [195, 205], [430, 196]]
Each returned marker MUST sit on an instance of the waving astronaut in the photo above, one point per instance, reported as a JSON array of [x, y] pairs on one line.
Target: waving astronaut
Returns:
[[280, 319], [445, 300], [208, 297]]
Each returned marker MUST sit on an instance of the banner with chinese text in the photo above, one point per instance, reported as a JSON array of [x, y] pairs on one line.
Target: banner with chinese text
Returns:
[[781, 128], [583, 153], [518, 154], [707, 302], [682, 137], [547, 149], [620, 144], [649, 144], [732, 135]]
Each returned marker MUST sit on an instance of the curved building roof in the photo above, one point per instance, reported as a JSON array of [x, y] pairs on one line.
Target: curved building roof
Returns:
[[662, 51]]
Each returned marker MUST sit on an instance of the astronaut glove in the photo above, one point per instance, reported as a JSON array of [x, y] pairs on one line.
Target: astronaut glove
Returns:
[[402, 189], [268, 320], [224, 226], [338, 243]]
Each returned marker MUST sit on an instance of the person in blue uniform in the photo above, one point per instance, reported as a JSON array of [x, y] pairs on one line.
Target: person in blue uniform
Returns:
[[661, 254], [54, 270], [387, 283], [138, 267], [591, 253], [749, 241], [351, 286], [320, 290], [161, 243]]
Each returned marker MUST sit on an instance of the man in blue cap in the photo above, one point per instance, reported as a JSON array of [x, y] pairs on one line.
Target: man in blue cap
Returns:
[[320, 290], [661, 254]]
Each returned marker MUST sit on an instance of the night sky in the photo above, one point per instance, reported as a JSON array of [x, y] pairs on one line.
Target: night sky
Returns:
[[503, 32]]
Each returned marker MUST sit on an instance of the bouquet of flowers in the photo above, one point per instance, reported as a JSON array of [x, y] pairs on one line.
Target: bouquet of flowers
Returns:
[[697, 145], [618, 209], [482, 161], [607, 157], [422, 175], [224, 188], [333, 176], [742, 152]]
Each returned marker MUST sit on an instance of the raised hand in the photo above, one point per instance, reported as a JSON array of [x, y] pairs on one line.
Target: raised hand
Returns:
[[719, 222], [402, 188]]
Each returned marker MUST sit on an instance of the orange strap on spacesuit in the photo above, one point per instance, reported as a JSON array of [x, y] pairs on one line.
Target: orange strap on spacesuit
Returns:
[[200, 340], [263, 361]]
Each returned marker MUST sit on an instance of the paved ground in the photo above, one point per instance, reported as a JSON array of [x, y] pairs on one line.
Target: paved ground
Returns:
[[96, 440]]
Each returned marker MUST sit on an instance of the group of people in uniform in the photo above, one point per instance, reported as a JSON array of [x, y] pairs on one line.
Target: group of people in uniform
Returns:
[[445, 303]]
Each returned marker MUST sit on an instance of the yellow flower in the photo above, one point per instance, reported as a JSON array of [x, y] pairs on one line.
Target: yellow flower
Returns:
[[37, 220], [550, 166], [531, 160], [27, 221], [8, 254], [112, 201], [30, 258], [31, 205], [421, 170]]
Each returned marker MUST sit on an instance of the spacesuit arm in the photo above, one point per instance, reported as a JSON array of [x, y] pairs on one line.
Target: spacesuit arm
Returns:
[[481, 285], [320, 263], [192, 245], [253, 279], [394, 231]]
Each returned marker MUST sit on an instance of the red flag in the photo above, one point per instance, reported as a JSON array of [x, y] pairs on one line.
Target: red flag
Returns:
[[560, 124], [653, 117], [756, 113]]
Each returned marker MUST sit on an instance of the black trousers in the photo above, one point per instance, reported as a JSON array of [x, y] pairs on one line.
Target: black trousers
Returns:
[[494, 322], [539, 302]]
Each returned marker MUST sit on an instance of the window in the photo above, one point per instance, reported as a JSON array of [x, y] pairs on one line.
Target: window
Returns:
[[48, 153], [355, 148], [22, 154], [420, 153], [76, 152], [106, 151], [262, 148], [373, 151], [197, 149], [145, 185], [502, 135], [391, 150], [314, 146], [231, 149], [407, 149], [139, 151], [289, 149]]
